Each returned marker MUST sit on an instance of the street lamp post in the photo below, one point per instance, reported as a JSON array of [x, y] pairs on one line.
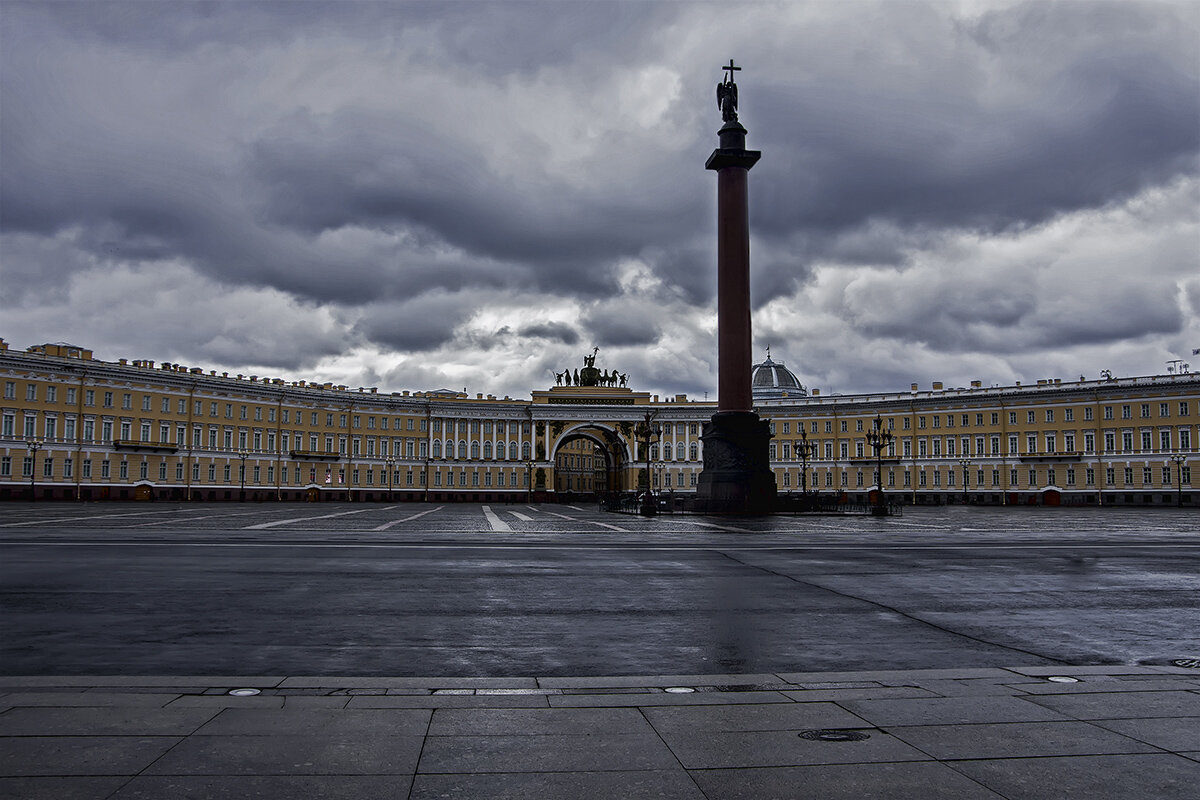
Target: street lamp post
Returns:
[[807, 450], [390, 461], [528, 481], [1179, 460], [966, 465], [878, 439], [34, 445], [242, 474], [649, 432]]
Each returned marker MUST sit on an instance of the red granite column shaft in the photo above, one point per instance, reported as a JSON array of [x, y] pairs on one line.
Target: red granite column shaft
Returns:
[[733, 290]]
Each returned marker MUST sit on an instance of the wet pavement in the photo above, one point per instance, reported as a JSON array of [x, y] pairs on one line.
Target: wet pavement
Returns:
[[470, 590], [415, 651]]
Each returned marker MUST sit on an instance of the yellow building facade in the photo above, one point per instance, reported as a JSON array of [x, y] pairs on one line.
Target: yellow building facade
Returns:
[[73, 427]]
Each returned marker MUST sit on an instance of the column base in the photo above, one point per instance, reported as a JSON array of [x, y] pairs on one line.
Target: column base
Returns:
[[737, 475]]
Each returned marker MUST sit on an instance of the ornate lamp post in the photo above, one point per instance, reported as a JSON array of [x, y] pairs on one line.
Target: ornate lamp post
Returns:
[[34, 445], [242, 474], [806, 450], [528, 481], [659, 468], [966, 465], [391, 462], [878, 439], [1179, 460], [648, 432]]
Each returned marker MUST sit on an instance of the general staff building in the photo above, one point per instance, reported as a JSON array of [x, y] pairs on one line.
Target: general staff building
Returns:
[[78, 428]]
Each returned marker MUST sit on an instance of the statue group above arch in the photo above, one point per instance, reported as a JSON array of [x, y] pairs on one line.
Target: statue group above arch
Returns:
[[590, 376]]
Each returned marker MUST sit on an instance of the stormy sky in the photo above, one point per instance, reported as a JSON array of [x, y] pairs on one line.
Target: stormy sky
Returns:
[[471, 195]]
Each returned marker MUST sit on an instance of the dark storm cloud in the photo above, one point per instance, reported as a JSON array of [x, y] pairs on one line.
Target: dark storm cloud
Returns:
[[1082, 109], [617, 325], [554, 331], [410, 171]]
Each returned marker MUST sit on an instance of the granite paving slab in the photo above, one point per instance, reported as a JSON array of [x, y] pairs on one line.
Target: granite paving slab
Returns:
[[1124, 704], [225, 787], [950, 710], [769, 717], [58, 788], [916, 780], [291, 755], [641, 785], [324, 722], [1102, 777], [217, 701], [819, 695], [119, 721], [664, 699], [82, 699], [726, 749], [80, 755], [449, 701], [612, 752], [537, 721], [1169, 733], [1016, 740]]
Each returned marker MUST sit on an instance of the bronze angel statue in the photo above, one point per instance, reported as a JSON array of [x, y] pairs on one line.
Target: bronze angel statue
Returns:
[[727, 100]]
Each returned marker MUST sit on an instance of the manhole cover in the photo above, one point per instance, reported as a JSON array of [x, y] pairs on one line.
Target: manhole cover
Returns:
[[1062, 679], [243, 692], [1186, 663], [679, 690], [833, 735]]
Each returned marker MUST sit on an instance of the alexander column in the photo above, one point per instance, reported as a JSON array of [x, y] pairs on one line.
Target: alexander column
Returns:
[[737, 470]]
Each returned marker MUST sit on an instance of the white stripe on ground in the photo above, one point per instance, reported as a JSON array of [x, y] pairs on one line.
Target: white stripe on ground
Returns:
[[589, 521], [93, 517], [521, 516], [387, 525], [262, 525], [493, 520]]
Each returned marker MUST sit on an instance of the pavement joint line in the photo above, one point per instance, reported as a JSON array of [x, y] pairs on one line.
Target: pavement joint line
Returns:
[[264, 525], [56, 520], [387, 525]]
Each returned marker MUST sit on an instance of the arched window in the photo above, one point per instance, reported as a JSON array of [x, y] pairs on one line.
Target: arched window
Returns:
[[474, 449], [462, 449], [512, 451], [680, 451], [526, 452], [487, 450], [693, 451], [437, 448]]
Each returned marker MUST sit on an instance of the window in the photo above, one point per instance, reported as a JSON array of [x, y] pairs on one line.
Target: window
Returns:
[[1012, 418], [1183, 408], [1185, 439], [10, 390], [85, 468], [1110, 441], [1127, 441], [1089, 476], [1126, 411], [1164, 440], [51, 394], [1164, 410], [920, 422], [1147, 472], [1108, 412], [31, 391]]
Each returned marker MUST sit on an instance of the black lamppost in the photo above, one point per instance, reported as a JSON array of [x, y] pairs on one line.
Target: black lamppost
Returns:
[[966, 465], [1179, 461], [649, 432], [390, 461], [878, 439], [528, 481], [806, 450], [242, 474], [34, 445]]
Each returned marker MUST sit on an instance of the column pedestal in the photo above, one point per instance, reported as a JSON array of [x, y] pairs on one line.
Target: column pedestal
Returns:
[[737, 473]]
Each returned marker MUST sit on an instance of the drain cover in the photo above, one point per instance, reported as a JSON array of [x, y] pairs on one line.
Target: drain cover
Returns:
[[834, 735], [1187, 663], [243, 692]]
